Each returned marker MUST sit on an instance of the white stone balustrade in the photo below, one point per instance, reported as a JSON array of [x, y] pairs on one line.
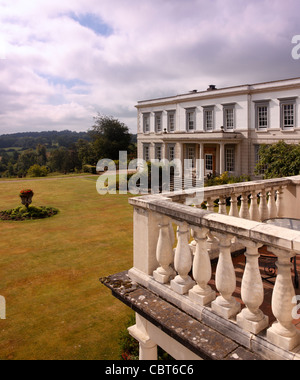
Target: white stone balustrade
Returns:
[[188, 272]]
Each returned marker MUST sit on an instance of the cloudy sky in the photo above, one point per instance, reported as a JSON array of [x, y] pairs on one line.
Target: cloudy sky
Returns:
[[62, 61]]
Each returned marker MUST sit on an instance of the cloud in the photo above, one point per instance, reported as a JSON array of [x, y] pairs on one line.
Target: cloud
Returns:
[[66, 61]]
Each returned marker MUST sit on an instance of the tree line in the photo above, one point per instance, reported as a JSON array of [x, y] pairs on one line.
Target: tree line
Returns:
[[78, 152]]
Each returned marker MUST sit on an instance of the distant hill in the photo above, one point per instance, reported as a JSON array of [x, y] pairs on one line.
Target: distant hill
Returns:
[[27, 140]]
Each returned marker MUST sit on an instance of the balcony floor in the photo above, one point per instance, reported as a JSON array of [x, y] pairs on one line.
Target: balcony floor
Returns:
[[239, 265]]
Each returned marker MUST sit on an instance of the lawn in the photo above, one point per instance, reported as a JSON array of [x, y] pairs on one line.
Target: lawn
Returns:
[[50, 270]]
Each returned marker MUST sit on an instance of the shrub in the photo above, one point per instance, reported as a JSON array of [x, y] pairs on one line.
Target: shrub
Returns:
[[22, 213], [37, 171]]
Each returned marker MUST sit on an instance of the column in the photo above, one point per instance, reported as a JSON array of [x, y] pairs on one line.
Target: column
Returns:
[[148, 348], [222, 158]]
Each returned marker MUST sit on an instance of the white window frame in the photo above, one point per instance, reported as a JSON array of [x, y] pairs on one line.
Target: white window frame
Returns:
[[230, 159], [226, 109], [289, 102], [191, 119], [146, 122], [209, 122], [259, 117], [158, 122], [146, 152], [171, 152], [158, 152], [171, 124]]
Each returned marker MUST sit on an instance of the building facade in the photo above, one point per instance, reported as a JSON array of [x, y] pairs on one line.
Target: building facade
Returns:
[[224, 127]]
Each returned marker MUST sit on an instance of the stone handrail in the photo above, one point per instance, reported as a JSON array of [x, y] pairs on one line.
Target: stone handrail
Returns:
[[155, 256]]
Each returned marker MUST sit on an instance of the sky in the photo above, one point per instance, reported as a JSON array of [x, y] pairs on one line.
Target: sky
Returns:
[[64, 61]]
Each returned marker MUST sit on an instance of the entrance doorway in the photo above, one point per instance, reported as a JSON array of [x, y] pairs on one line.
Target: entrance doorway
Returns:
[[209, 161]]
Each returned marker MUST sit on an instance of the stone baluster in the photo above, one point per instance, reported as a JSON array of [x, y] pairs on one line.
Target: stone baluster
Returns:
[[272, 205], [254, 211], [182, 283], [252, 318], [244, 211], [234, 211], [164, 252], [201, 293], [263, 206], [279, 203], [210, 205], [225, 305], [283, 333], [222, 206]]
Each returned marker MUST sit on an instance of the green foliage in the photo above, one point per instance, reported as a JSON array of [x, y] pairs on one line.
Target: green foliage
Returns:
[[109, 136], [22, 213], [38, 171], [225, 179], [278, 160]]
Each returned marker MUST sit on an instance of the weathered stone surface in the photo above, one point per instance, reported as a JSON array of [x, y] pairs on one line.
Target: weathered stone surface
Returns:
[[197, 337]]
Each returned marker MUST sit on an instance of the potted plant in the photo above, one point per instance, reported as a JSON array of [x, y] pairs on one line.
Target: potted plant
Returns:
[[26, 197]]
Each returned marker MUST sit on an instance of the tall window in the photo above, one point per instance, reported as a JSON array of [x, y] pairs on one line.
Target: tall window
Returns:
[[287, 113], [209, 119], [146, 152], [171, 153], [229, 159], [171, 121], [190, 120], [262, 115], [146, 122], [158, 152], [229, 117], [158, 122]]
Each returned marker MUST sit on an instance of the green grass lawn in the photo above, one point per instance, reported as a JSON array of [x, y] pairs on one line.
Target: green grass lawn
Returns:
[[50, 270]]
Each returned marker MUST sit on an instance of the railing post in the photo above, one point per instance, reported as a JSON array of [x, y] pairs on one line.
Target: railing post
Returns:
[[202, 293], [222, 206], [272, 205], [263, 206], [283, 333], [254, 212], [279, 194], [244, 211], [252, 318], [183, 261], [234, 211], [225, 305], [164, 253]]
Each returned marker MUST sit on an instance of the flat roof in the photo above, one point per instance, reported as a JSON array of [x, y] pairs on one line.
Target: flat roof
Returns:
[[210, 93]]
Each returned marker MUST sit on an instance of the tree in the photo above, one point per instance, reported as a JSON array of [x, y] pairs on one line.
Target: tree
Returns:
[[278, 160], [109, 137], [37, 171]]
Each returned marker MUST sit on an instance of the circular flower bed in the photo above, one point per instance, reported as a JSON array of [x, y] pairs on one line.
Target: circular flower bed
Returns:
[[27, 213]]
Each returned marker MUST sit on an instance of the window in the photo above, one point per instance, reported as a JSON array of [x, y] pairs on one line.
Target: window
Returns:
[[209, 162], [262, 115], [229, 117], [171, 153], [229, 159], [287, 113], [146, 122], [209, 119], [191, 157], [190, 120], [147, 152], [158, 122], [171, 121], [158, 152]]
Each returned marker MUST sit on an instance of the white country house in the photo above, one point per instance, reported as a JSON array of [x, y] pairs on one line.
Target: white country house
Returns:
[[224, 127]]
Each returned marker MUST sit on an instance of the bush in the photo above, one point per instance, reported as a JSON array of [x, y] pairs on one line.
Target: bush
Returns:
[[89, 169], [225, 179], [37, 171], [22, 213]]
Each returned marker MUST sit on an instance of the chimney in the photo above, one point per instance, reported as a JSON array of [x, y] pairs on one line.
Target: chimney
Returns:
[[212, 87]]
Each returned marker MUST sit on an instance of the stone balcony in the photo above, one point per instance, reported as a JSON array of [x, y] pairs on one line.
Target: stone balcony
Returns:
[[198, 285]]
